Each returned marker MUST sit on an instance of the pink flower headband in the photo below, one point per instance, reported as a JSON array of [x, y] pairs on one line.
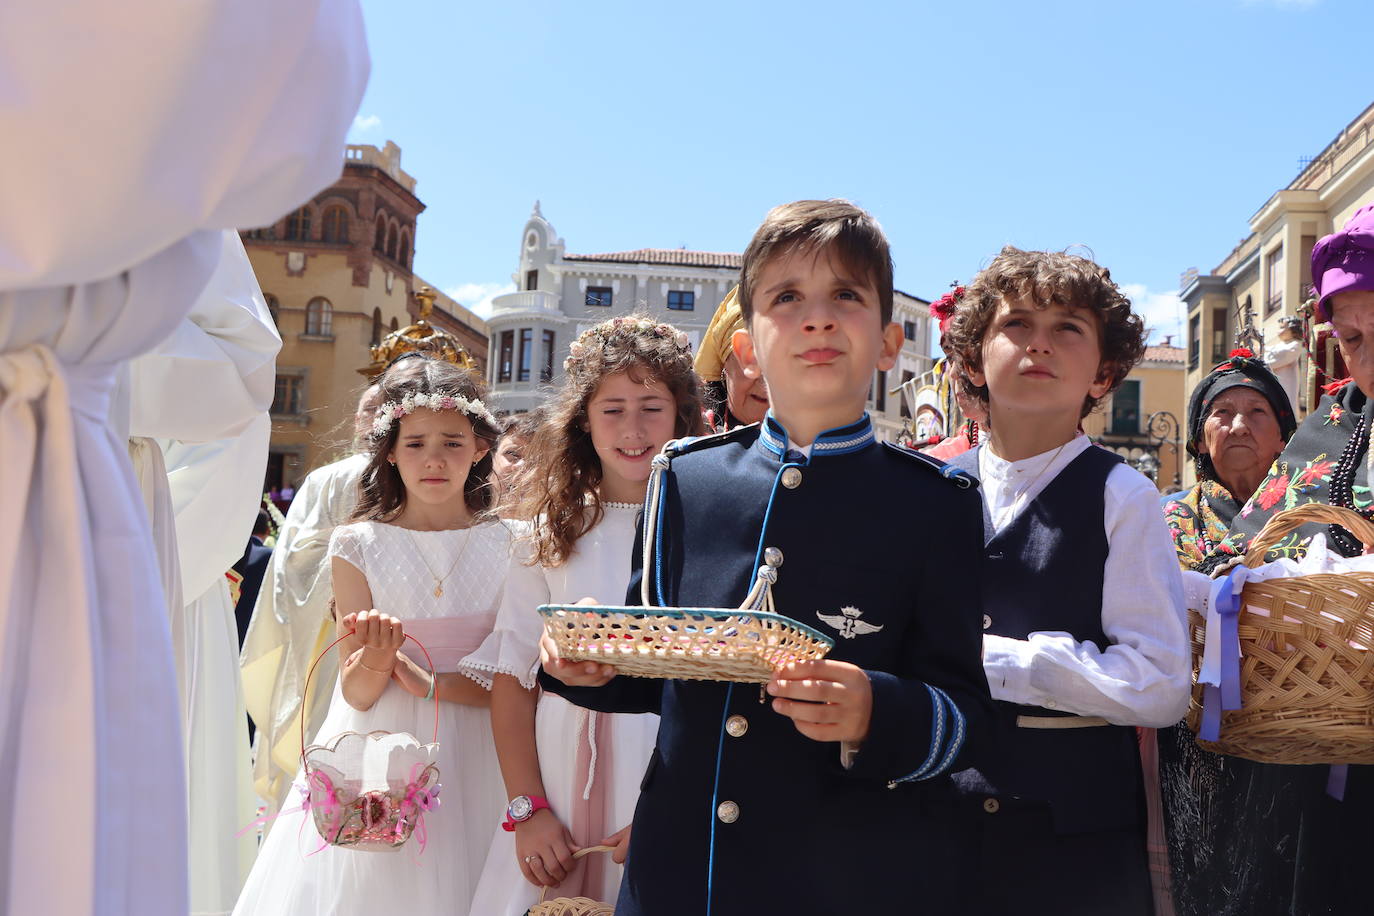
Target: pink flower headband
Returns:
[[602, 334], [392, 411]]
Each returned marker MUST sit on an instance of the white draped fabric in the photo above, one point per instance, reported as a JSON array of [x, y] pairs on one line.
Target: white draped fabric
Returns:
[[129, 129], [226, 345]]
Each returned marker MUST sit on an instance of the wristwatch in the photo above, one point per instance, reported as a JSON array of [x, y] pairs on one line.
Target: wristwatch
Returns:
[[521, 809]]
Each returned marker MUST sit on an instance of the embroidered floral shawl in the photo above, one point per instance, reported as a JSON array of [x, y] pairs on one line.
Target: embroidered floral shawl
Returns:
[[1302, 474], [1199, 521]]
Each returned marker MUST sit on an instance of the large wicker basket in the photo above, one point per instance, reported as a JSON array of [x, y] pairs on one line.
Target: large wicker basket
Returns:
[[690, 643], [572, 906], [1306, 669]]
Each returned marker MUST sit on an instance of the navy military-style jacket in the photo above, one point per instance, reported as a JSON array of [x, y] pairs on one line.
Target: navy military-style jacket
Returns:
[[739, 812]]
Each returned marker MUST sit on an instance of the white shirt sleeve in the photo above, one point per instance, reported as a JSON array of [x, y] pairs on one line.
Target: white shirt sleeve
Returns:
[[1142, 676]]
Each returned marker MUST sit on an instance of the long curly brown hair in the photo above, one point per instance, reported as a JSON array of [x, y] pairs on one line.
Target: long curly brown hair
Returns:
[[1045, 278], [560, 482], [381, 493]]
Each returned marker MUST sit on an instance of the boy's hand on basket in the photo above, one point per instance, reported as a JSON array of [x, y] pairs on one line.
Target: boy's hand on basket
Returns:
[[544, 849], [826, 700], [620, 840], [574, 674]]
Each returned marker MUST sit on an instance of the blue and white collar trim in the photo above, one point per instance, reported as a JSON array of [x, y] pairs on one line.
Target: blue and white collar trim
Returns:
[[841, 440]]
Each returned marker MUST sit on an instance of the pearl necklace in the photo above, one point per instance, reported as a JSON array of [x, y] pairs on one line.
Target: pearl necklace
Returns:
[[1342, 486]]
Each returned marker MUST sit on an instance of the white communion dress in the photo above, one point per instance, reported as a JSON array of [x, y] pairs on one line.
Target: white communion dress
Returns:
[[591, 763], [293, 875]]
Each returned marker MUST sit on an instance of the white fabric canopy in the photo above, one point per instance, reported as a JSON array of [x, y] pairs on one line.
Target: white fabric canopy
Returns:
[[129, 129]]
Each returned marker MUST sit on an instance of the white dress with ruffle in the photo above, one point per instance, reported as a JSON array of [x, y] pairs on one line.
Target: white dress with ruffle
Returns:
[[293, 874], [592, 793]]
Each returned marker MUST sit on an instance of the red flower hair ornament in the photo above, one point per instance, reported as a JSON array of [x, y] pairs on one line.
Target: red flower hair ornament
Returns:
[[942, 309]]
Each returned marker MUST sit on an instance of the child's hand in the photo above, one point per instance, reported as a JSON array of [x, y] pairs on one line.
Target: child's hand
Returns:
[[574, 674], [544, 849], [621, 841], [413, 679], [826, 700], [381, 635]]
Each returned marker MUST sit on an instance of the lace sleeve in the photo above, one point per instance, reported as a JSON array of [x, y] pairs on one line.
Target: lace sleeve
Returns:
[[346, 543]]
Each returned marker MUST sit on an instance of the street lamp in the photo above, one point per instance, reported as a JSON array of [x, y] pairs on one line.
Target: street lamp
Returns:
[[1148, 465], [1162, 426]]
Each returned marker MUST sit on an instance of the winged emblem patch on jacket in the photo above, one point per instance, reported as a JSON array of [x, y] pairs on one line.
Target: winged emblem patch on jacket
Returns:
[[848, 623]]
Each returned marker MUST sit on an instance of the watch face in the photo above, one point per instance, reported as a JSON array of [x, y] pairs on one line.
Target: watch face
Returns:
[[521, 808]]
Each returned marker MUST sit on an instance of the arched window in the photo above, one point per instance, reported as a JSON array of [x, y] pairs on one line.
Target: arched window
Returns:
[[298, 225], [395, 324], [391, 242], [376, 326], [336, 224], [404, 254], [319, 318], [274, 307], [379, 237]]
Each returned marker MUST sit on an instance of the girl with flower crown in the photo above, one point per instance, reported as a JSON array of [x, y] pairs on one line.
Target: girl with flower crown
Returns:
[[572, 775], [423, 556]]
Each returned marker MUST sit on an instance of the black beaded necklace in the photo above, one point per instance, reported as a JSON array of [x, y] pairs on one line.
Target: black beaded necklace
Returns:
[[1342, 486]]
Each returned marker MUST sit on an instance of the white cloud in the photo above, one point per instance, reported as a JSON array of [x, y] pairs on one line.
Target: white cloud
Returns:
[[477, 296], [366, 124], [1163, 312]]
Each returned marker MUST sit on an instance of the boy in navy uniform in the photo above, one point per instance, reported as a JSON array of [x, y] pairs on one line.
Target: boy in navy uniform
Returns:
[[833, 796]]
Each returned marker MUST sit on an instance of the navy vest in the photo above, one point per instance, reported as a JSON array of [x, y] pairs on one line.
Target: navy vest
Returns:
[[1044, 572]]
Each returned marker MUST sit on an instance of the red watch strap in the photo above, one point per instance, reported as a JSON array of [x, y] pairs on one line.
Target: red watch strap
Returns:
[[536, 803]]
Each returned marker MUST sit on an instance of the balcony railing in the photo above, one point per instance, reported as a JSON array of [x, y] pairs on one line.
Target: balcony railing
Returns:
[[530, 300]]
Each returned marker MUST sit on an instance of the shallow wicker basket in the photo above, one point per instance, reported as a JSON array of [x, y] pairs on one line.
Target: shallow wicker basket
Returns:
[[703, 644], [1307, 669], [572, 906]]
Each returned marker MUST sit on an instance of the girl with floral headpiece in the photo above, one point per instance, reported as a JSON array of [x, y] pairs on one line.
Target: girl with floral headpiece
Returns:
[[423, 556], [573, 776]]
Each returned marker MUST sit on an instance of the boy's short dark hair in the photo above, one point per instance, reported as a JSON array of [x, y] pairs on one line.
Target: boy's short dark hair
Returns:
[[1045, 278], [835, 227]]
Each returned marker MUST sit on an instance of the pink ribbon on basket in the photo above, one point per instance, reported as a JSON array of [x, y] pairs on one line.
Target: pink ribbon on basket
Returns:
[[418, 800], [1220, 674], [315, 779]]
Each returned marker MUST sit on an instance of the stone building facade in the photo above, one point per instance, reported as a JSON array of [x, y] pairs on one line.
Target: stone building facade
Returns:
[[337, 275], [559, 295]]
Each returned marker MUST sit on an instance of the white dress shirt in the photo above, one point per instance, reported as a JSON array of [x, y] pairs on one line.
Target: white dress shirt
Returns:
[[1142, 676]]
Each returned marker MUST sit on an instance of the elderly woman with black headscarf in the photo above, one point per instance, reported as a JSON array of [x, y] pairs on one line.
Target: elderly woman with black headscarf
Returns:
[[1255, 839], [1239, 419]]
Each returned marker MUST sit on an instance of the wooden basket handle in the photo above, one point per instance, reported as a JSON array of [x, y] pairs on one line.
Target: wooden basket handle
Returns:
[[585, 850], [1290, 519]]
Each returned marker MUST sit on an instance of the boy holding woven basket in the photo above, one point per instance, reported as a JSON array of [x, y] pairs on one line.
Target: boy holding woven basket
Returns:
[[834, 796], [1084, 635]]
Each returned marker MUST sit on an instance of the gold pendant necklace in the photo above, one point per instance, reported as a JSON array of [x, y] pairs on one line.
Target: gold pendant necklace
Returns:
[[439, 580]]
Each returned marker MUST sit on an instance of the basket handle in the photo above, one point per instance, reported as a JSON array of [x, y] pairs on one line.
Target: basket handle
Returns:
[[1283, 522], [309, 674], [585, 850]]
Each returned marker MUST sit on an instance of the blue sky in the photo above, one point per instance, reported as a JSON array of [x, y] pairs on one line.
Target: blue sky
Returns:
[[1148, 133]]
